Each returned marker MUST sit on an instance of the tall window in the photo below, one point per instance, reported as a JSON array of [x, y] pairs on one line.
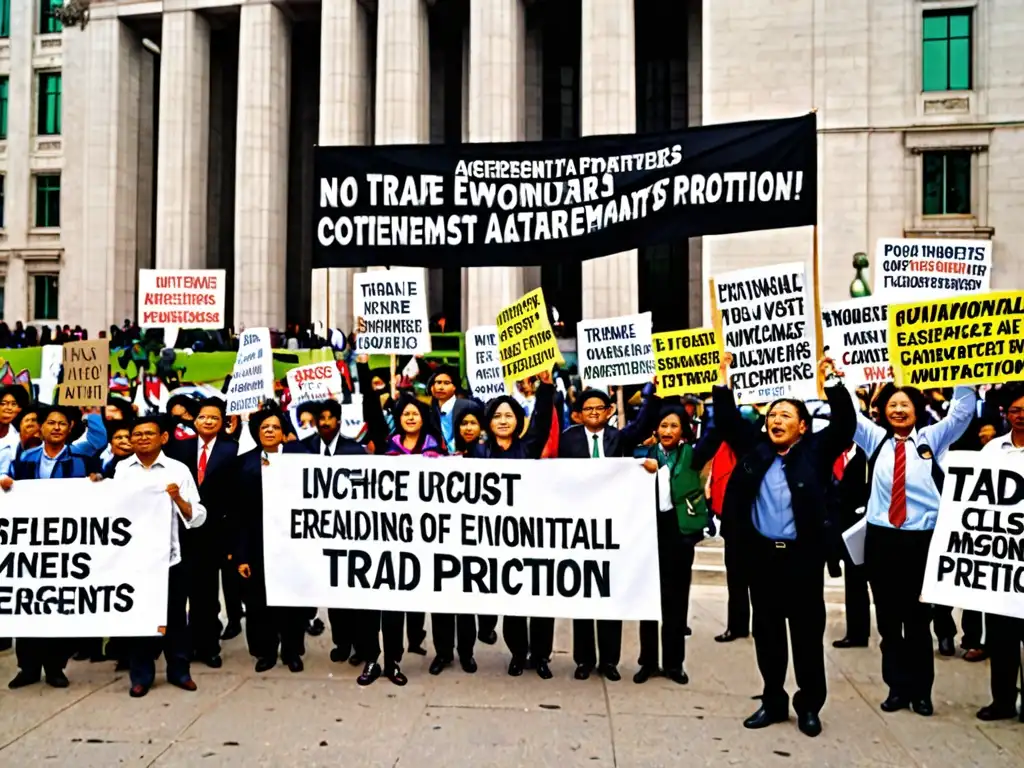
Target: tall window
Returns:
[[48, 23], [45, 305], [3, 202], [947, 183], [5, 18], [48, 200], [3, 106], [1, 297], [49, 103], [946, 50]]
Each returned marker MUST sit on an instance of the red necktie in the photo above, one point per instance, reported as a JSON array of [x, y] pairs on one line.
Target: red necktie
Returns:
[[839, 468], [202, 465], [898, 504]]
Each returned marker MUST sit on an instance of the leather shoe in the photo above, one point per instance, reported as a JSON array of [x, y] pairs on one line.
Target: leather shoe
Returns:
[[316, 627], [438, 665], [923, 707], [188, 684], [213, 662], [490, 638], [394, 673], [265, 663], [809, 723], [894, 703], [678, 676], [582, 671], [22, 679], [848, 642], [543, 670], [515, 667], [138, 691], [370, 673], [609, 672], [355, 661], [468, 664], [728, 636], [763, 718], [57, 679], [419, 650], [295, 665], [232, 630], [644, 674], [976, 654], [946, 646], [687, 632], [993, 712], [338, 655]]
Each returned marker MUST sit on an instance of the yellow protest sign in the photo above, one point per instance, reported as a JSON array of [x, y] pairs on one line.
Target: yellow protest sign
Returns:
[[526, 343], [975, 339], [687, 361]]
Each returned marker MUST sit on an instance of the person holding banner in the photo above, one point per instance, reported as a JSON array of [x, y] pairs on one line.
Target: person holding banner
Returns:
[[905, 454], [777, 500]]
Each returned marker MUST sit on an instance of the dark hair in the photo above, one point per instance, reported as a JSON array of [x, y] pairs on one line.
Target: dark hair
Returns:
[[73, 416], [801, 409], [333, 407], [517, 410], [916, 397], [684, 420], [404, 401], [31, 408], [188, 403], [463, 408], [113, 427], [1011, 393], [212, 402], [124, 406], [267, 412], [312, 408], [587, 394], [18, 392], [152, 418]]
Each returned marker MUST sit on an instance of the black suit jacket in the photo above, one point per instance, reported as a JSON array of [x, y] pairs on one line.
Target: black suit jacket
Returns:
[[217, 492], [808, 468], [575, 442], [344, 447]]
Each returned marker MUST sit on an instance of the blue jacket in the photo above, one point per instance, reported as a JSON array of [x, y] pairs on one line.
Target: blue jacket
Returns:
[[72, 464]]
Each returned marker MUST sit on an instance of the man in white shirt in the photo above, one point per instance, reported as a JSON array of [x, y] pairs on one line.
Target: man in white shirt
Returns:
[[151, 466]]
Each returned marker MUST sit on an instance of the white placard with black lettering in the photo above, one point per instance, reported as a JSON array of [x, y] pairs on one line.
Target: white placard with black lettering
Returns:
[[252, 378], [316, 381], [767, 325], [920, 269], [615, 350], [856, 335], [181, 298], [561, 538], [393, 305], [483, 367], [83, 559], [976, 557]]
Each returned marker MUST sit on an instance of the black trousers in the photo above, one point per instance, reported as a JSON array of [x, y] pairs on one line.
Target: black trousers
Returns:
[[345, 626], [414, 628], [175, 644], [858, 604], [895, 561], [269, 629], [788, 584], [609, 642], [202, 564], [36, 654], [234, 591], [944, 625], [1005, 636], [443, 627], [675, 568], [486, 624], [738, 584], [533, 637]]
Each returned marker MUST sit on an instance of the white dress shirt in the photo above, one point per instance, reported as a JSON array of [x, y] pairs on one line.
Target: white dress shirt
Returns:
[[167, 471], [333, 445], [1004, 445], [590, 443], [8, 449]]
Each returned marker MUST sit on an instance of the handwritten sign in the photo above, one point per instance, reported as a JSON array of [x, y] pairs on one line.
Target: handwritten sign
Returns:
[[916, 269], [393, 307], [526, 344], [252, 378], [615, 350], [687, 361], [855, 334], [317, 381], [181, 298], [483, 368], [86, 380]]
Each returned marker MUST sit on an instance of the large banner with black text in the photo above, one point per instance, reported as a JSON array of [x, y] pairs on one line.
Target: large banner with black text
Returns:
[[538, 202], [561, 538]]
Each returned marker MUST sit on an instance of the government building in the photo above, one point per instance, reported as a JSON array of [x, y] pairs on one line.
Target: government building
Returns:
[[180, 134]]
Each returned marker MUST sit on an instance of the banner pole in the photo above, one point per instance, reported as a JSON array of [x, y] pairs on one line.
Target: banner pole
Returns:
[[620, 406], [327, 298], [394, 377], [819, 341]]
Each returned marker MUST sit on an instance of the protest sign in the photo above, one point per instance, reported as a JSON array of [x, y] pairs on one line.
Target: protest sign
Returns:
[[915, 269], [766, 325], [316, 381], [526, 344], [539, 202], [86, 373], [855, 335], [615, 351], [181, 298], [393, 307], [535, 538], [83, 559], [687, 361], [252, 378], [976, 339], [976, 557], [483, 368], [352, 425]]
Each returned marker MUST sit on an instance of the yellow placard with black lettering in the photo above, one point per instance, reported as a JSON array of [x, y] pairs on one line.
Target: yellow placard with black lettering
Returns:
[[975, 339], [526, 343], [687, 362]]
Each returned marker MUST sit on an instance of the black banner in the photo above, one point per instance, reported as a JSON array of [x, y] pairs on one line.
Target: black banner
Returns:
[[527, 203]]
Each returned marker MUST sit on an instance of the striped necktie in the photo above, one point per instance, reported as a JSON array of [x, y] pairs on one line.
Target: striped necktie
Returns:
[[898, 503]]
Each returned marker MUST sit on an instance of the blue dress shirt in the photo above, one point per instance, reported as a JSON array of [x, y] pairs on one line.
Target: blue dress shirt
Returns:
[[773, 508], [46, 464]]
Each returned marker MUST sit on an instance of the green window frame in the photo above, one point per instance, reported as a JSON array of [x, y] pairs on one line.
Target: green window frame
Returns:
[[47, 297], [48, 23], [4, 84], [5, 18], [946, 50], [50, 89], [48, 200], [947, 183]]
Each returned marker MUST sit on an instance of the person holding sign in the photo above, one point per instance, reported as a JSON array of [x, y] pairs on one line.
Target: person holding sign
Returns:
[[904, 464], [777, 501]]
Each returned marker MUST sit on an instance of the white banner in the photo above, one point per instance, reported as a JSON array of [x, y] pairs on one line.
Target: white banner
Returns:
[[976, 558], [252, 378], [562, 537], [767, 326], [181, 298], [316, 381], [920, 269], [483, 368], [856, 335], [393, 305], [615, 350], [83, 559]]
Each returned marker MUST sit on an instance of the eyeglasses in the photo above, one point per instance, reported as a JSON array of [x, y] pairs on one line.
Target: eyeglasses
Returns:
[[595, 409], [1014, 411]]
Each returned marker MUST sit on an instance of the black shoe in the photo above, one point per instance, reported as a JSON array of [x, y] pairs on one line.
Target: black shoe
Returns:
[[419, 650], [993, 712], [370, 673], [24, 678], [809, 724], [763, 718], [895, 703], [81, 656], [437, 666], [515, 667], [98, 658], [946, 646], [609, 672], [490, 638], [354, 660], [468, 664], [315, 628], [338, 655], [582, 671], [265, 663], [394, 673], [6, 644], [644, 674], [295, 665], [232, 630], [57, 679], [213, 662], [544, 671], [728, 636], [123, 665], [138, 691], [847, 642], [923, 707], [687, 632], [678, 676]]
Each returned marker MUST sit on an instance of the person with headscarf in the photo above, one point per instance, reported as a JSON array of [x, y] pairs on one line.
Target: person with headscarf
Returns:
[[443, 388]]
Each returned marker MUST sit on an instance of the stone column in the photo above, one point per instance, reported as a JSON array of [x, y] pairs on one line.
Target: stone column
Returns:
[[261, 166], [183, 149], [497, 40], [344, 96], [608, 105]]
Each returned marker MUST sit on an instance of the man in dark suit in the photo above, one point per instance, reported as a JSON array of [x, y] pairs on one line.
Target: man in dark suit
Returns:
[[777, 496], [592, 438], [849, 495]]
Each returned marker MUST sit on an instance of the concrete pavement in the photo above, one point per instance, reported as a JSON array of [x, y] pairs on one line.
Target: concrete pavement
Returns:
[[321, 717]]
